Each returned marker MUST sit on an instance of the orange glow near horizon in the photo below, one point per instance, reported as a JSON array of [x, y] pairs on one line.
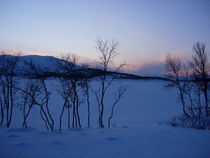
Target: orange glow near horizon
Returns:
[[24, 53], [144, 63]]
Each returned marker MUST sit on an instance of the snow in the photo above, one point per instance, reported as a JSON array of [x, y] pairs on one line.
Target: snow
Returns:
[[45, 63], [141, 141], [139, 129]]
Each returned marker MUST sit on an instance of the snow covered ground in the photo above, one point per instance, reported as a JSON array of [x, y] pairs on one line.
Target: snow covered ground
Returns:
[[139, 129]]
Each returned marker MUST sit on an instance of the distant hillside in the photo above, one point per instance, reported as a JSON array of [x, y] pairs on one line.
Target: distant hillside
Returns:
[[49, 66]]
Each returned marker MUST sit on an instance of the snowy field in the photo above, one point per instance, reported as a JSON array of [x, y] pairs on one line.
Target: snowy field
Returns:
[[139, 130]]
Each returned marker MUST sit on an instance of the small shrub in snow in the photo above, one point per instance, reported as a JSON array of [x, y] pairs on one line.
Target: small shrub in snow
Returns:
[[187, 122]]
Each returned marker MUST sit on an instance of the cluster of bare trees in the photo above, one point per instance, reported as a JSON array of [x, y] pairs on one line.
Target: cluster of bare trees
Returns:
[[36, 93], [7, 83], [74, 87], [32, 92], [191, 80], [70, 89], [107, 52]]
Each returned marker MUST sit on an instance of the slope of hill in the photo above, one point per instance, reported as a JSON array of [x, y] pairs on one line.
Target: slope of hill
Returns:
[[49, 66]]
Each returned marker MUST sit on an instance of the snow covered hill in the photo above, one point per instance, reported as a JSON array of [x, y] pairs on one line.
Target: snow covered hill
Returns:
[[45, 64], [49, 66]]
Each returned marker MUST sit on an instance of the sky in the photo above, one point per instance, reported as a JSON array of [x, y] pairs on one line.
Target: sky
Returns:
[[147, 30]]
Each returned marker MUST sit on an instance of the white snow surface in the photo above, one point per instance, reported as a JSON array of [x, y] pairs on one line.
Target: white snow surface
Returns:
[[139, 129]]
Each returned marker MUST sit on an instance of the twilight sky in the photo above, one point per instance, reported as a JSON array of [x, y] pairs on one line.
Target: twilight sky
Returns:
[[147, 30]]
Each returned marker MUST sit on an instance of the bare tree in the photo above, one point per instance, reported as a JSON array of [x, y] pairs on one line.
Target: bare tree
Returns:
[[174, 69], [8, 82], [42, 100], [65, 91], [107, 51], [86, 89], [201, 70], [198, 100], [189, 90], [30, 94], [2, 99], [72, 77], [118, 94]]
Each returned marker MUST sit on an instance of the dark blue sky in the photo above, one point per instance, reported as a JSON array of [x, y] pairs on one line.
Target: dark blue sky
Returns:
[[147, 30]]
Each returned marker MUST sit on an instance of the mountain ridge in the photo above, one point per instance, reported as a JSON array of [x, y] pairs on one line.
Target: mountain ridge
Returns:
[[49, 67]]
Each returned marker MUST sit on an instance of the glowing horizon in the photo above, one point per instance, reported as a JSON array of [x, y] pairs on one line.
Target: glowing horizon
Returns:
[[130, 68]]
